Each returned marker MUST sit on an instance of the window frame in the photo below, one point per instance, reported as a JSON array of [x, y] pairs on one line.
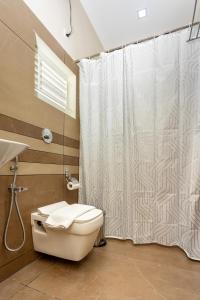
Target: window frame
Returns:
[[49, 67]]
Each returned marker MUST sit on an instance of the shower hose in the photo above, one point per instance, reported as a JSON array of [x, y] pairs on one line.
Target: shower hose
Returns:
[[12, 203]]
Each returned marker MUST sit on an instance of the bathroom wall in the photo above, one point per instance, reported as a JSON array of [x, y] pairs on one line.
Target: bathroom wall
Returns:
[[84, 40], [22, 118]]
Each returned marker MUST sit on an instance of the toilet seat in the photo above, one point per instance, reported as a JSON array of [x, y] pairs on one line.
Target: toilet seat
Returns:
[[87, 223], [88, 216]]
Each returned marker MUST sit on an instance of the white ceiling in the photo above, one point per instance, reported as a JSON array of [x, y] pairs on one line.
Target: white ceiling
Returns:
[[116, 22]]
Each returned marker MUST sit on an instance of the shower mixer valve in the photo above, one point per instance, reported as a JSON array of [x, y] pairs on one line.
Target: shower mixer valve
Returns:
[[17, 189], [13, 187]]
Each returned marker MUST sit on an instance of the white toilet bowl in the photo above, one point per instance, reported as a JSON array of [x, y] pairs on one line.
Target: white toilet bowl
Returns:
[[73, 243]]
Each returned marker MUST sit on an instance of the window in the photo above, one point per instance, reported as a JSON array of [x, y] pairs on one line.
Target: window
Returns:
[[55, 83]]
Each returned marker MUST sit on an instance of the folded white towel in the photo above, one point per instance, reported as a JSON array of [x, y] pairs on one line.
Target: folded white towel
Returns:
[[48, 209], [63, 217]]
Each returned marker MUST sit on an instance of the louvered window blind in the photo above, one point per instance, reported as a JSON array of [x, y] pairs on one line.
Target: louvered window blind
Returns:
[[55, 83]]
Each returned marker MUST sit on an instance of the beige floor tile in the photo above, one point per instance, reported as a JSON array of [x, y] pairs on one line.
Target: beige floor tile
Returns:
[[96, 276], [172, 293], [119, 271], [31, 271], [64, 282], [29, 294], [9, 287], [173, 276], [173, 256]]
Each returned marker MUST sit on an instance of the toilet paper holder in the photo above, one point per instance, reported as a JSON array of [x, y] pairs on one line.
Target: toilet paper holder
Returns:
[[68, 176], [72, 182]]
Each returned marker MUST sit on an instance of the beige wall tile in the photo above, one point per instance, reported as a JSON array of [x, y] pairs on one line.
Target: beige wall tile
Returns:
[[17, 97], [25, 168], [35, 144]]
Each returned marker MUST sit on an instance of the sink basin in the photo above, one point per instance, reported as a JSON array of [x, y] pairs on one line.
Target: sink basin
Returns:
[[9, 150]]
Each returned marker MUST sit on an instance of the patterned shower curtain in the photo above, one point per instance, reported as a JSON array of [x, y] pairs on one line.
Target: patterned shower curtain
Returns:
[[140, 141]]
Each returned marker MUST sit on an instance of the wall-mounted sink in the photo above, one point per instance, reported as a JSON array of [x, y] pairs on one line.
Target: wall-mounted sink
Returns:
[[9, 150]]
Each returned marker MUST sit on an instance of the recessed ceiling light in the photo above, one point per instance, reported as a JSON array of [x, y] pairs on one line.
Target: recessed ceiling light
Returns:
[[142, 13]]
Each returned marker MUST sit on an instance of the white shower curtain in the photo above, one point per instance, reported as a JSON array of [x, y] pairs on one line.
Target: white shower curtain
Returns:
[[140, 141]]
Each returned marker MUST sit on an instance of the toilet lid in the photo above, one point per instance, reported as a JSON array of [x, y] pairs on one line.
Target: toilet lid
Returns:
[[89, 216]]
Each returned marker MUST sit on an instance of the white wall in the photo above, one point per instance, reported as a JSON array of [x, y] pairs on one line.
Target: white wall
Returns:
[[54, 14]]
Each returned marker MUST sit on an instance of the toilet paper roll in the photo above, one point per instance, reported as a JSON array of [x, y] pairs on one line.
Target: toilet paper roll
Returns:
[[73, 186]]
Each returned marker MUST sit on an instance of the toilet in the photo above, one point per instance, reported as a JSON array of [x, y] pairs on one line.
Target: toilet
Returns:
[[73, 243]]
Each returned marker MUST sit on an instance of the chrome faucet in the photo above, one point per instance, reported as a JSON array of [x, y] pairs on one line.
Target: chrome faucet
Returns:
[[13, 187]]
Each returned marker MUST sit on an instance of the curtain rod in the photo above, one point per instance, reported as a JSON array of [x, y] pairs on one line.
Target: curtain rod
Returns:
[[139, 41]]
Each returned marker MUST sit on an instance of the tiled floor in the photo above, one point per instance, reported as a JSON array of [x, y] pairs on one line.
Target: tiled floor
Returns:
[[119, 271]]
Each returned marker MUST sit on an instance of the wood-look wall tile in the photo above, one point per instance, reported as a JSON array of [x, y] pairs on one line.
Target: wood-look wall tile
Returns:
[[71, 142], [41, 157], [16, 264], [25, 168], [42, 190], [35, 144], [23, 116], [71, 151], [23, 128], [71, 160], [39, 145]]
